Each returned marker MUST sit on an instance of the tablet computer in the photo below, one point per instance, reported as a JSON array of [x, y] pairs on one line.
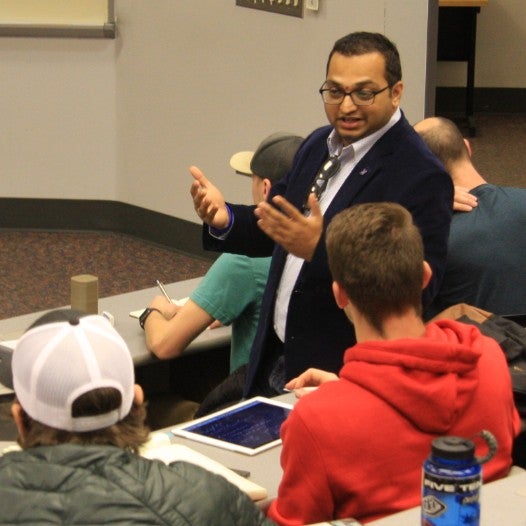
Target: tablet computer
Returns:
[[249, 427]]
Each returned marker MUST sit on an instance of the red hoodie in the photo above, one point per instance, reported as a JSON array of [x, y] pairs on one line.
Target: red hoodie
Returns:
[[355, 447]]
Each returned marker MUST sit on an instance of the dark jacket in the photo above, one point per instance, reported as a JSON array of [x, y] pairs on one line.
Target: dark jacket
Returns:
[[398, 168], [75, 484]]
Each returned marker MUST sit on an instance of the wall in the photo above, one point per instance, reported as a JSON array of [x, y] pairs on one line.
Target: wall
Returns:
[[185, 82], [57, 131], [501, 41], [194, 91]]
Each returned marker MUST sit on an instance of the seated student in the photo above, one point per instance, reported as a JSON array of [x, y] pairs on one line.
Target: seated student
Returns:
[[232, 289], [355, 446], [487, 245], [81, 422]]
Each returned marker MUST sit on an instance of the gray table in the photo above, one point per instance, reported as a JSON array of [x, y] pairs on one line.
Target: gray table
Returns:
[[203, 364], [502, 502], [120, 306]]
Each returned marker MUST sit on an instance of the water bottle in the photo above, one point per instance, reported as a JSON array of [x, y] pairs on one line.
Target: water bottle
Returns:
[[451, 481]]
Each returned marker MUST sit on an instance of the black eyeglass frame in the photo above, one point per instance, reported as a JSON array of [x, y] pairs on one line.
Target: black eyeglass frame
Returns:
[[373, 94]]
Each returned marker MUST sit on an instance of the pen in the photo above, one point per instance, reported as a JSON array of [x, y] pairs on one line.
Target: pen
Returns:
[[163, 290]]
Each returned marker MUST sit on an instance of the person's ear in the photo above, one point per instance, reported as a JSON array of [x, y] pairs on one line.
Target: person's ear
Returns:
[[17, 412], [396, 92], [138, 394], [267, 185], [342, 300], [468, 146], [427, 274]]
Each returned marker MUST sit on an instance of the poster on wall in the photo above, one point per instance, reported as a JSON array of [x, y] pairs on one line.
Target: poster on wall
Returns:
[[282, 7]]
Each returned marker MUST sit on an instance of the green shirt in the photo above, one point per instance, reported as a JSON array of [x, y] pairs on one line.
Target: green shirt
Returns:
[[231, 292]]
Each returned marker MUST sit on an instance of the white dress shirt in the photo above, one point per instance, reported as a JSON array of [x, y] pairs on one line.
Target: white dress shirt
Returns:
[[349, 157]]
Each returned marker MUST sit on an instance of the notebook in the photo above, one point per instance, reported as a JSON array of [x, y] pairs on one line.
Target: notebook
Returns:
[[158, 448]]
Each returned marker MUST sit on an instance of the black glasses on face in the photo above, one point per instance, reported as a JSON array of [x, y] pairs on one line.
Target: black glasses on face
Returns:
[[331, 166], [360, 97]]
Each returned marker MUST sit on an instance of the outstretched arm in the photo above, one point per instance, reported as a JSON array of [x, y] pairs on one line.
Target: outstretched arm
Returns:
[[208, 200]]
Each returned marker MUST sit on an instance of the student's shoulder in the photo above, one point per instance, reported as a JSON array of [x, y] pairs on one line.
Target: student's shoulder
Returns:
[[231, 262], [322, 399], [180, 474], [183, 484], [230, 269]]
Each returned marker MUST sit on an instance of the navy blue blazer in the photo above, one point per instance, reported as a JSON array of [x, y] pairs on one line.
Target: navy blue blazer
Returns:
[[398, 168]]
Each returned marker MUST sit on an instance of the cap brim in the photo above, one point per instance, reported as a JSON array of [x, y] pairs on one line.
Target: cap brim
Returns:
[[240, 162]]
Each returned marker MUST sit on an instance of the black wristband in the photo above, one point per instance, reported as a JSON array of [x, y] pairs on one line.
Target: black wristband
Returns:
[[145, 313]]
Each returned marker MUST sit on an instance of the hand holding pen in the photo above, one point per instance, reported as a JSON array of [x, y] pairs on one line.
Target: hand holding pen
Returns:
[[163, 290]]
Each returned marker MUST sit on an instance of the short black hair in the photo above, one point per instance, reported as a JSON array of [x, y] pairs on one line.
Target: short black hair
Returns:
[[362, 42]]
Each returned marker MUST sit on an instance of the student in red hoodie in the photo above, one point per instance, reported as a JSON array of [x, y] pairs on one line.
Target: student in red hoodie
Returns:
[[354, 447]]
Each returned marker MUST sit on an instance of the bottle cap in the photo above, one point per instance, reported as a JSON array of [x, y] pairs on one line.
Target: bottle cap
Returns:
[[453, 447]]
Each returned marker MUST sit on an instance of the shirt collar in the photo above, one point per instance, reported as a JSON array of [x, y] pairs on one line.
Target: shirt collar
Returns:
[[360, 147]]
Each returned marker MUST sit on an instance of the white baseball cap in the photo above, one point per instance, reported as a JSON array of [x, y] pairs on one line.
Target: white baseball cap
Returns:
[[63, 355]]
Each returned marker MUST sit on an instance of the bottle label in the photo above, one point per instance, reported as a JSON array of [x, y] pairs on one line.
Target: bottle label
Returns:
[[450, 501]]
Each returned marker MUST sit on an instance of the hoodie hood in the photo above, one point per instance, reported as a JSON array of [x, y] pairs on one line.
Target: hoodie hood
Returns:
[[439, 372]]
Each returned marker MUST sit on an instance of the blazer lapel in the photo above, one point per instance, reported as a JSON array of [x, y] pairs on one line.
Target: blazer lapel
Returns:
[[356, 181], [366, 170]]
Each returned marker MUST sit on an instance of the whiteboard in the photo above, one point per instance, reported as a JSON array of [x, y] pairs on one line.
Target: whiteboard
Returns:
[[88, 18]]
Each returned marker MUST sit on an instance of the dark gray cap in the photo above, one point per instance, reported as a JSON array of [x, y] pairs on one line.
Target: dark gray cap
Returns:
[[272, 159]]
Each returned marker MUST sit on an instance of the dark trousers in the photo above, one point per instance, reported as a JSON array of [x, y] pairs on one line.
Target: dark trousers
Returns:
[[228, 392], [269, 381]]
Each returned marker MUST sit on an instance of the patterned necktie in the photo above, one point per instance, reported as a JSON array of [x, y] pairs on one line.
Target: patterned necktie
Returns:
[[331, 166]]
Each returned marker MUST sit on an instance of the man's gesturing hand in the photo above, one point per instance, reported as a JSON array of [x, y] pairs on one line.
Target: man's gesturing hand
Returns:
[[296, 233], [208, 200]]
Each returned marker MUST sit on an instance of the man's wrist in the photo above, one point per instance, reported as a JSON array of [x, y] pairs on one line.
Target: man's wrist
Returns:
[[146, 313], [221, 233]]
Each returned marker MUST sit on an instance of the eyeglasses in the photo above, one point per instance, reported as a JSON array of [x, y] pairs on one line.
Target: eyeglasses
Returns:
[[331, 166], [360, 97]]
